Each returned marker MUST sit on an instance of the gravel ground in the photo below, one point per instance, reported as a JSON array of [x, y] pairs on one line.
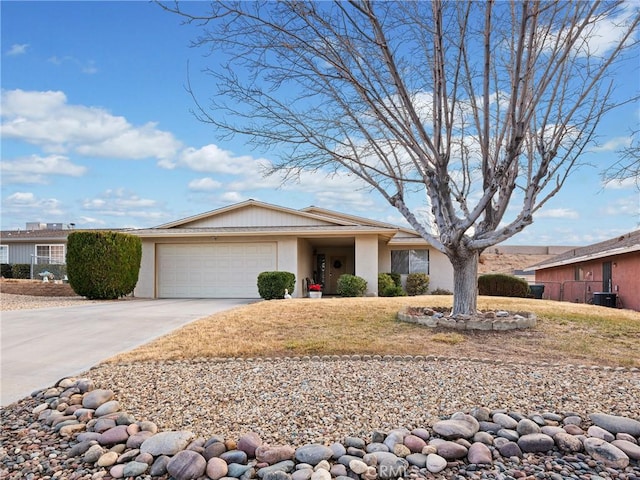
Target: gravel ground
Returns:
[[10, 301], [298, 401]]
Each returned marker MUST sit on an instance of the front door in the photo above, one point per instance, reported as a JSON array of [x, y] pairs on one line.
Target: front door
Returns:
[[606, 276], [337, 266]]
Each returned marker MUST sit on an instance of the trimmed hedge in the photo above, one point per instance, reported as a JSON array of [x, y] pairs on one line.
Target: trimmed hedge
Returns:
[[501, 285], [21, 270], [417, 284], [5, 270], [397, 278], [271, 285], [103, 265], [351, 285]]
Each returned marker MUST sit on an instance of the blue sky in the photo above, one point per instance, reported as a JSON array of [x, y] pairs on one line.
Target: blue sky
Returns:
[[97, 131]]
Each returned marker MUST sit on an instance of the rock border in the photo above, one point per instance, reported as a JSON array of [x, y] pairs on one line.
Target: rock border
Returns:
[[100, 433], [500, 320]]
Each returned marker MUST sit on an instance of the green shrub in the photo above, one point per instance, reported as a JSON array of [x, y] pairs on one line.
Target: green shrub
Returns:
[[351, 285], [387, 287], [500, 285], [5, 270], [397, 278], [21, 270], [417, 284], [273, 284], [441, 291], [384, 282], [103, 265]]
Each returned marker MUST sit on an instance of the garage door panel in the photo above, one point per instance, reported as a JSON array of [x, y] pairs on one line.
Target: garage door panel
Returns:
[[213, 270]]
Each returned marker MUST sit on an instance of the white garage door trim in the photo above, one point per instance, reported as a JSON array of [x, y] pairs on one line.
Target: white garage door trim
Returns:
[[213, 270]]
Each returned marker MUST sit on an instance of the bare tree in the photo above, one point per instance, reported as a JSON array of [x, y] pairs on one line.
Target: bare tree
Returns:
[[627, 167], [480, 108]]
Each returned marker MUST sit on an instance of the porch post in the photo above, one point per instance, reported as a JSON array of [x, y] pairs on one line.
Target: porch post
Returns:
[[367, 261]]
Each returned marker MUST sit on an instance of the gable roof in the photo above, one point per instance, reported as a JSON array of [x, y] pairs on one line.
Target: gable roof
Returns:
[[627, 243], [331, 218]]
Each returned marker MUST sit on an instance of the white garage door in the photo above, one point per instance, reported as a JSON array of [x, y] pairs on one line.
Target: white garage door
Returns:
[[220, 270]]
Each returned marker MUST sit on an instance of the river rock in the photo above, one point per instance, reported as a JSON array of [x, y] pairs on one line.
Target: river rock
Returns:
[[95, 398], [505, 421], [272, 454], [114, 436], [459, 426], [450, 450], [535, 442], [107, 459], [395, 436], [167, 443], [187, 464], [248, 443], [605, 452], [338, 450], [435, 463], [599, 432], [321, 474], [214, 449], [236, 470], [567, 442], [509, 449], [479, 453], [631, 449], [159, 467], [313, 454], [527, 426], [133, 469], [136, 440], [389, 465], [414, 444], [107, 408], [286, 467], [235, 456], [616, 424]]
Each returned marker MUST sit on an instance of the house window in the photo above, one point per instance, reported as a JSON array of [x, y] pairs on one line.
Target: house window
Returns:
[[409, 261], [578, 273], [50, 254], [4, 253]]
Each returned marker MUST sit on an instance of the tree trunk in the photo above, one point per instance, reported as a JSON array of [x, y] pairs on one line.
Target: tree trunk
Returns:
[[465, 281]]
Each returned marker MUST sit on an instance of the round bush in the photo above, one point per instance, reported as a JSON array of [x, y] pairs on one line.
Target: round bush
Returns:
[[385, 282], [103, 265], [417, 284], [351, 285], [271, 285]]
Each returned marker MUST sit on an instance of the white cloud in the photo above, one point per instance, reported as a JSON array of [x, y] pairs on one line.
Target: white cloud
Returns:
[[627, 206], [631, 182], [27, 202], [122, 203], [211, 158], [35, 169], [91, 221], [18, 49], [233, 197], [557, 213], [204, 184], [613, 144], [46, 119]]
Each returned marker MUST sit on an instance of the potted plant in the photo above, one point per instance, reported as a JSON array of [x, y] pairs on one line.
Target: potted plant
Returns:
[[315, 290]]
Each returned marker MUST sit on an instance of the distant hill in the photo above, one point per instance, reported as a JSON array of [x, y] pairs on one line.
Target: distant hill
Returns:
[[513, 259]]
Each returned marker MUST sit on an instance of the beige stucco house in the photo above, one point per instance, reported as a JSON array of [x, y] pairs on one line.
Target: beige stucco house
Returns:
[[219, 254]]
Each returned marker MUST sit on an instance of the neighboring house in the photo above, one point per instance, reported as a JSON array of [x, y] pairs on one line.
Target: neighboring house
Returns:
[[606, 273], [40, 246], [220, 253]]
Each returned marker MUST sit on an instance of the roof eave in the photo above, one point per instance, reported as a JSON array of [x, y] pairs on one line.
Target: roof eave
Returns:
[[586, 258]]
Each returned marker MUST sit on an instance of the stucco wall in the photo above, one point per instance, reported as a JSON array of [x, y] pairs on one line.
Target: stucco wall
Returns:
[[367, 261], [305, 265], [440, 271], [146, 287]]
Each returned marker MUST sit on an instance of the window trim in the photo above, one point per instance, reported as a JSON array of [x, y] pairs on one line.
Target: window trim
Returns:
[[50, 261], [409, 250], [6, 249]]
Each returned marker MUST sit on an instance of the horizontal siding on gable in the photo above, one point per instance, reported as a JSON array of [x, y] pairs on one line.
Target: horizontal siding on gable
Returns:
[[254, 216]]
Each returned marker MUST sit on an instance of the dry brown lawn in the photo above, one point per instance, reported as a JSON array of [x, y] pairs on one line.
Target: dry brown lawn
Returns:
[[566, 332]]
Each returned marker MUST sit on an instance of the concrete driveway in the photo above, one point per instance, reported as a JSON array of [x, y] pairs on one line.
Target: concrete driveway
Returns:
[[41, 346]]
